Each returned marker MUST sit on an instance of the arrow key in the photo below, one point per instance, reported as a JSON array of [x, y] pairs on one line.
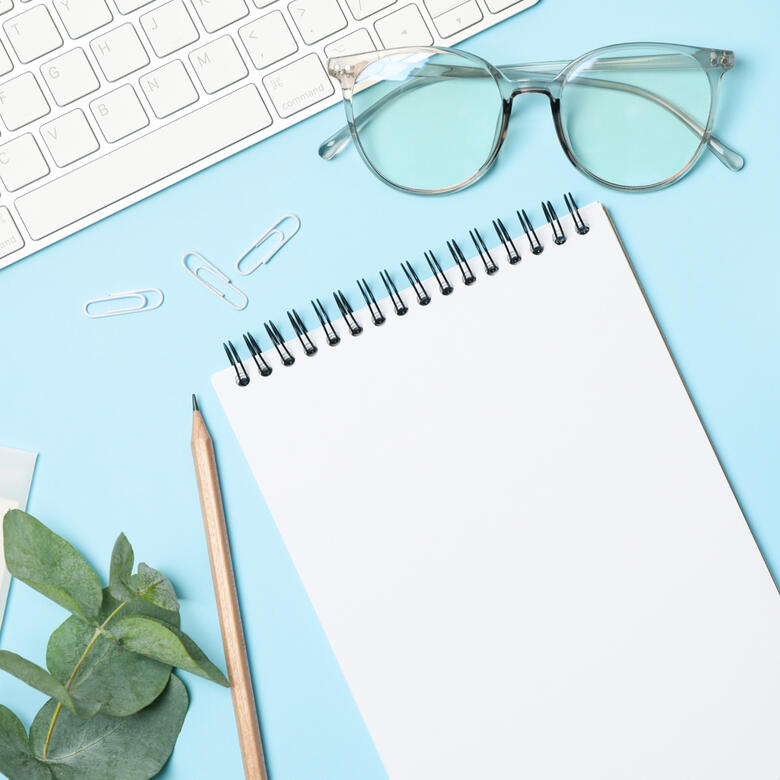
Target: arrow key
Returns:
[[452, 21], [404, 27]]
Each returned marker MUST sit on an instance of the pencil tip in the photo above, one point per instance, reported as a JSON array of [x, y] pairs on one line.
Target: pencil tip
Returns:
[[194, 403]]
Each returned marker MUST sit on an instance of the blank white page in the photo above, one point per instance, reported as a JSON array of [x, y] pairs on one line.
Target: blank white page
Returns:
[[517, 536]]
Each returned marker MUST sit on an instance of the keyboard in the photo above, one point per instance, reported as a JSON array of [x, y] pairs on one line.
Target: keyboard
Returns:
[[104, 102]]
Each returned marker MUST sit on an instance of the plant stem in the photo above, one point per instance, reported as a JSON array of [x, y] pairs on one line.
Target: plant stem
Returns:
[[98, 632], [51, 728]]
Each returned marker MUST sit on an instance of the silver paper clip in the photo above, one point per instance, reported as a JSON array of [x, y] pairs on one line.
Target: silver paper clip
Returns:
[[209, 267], [274, 230], [142, 296]]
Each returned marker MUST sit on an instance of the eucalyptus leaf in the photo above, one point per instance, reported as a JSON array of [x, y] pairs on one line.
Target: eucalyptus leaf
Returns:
[[112, 679], [41, 680], [119, 681], [16, 759], [132, 748], [46, 562], [136, 606], [121, 569], [156, 588], [116, 709], [158, 640]]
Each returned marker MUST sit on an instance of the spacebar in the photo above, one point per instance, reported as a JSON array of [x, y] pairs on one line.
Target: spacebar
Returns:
[[148, 160]]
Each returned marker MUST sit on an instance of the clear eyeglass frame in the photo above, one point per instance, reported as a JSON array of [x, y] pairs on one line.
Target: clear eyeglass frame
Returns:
[[549, 79]]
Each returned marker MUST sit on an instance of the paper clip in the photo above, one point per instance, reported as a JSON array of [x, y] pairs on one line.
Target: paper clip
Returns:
[[209, 267], [142, 296], [274, 230]]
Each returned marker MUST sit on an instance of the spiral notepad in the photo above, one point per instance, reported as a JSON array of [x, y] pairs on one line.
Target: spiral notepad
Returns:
[[509, 517]]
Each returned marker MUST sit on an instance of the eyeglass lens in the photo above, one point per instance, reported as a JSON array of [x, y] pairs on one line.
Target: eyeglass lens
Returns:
[[432, 119], [624, 114]]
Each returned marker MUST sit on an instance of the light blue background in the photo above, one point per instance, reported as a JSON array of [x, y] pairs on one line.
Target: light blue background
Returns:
[[107, 402]]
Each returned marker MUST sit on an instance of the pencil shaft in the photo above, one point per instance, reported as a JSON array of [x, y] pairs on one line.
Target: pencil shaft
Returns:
[[227, 601]]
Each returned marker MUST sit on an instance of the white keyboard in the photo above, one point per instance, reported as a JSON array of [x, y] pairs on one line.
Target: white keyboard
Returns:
[[103, 102]]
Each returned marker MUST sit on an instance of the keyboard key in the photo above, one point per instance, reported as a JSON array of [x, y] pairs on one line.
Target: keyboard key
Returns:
[[32, 33], [6, 66], [21, 162], [317, 19], [119, 52], [494, 6], [268, 40], [21, 101], [6, 6], [128, 6], [10, 238], [216, 14], [354, 43], [437, 7], [169, 89], [404, 27], [218, 64], [298, 85], [363, 8], [451, 20], [69, 76], [169, 28], [119, 113], [69, 138], [82, 16], [143, 162]]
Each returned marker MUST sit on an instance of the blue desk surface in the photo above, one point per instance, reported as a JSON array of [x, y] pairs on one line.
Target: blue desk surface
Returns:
[[107, 402]]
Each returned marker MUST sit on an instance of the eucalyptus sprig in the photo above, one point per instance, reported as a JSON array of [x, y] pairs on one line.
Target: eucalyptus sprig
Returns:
[[115, 708]]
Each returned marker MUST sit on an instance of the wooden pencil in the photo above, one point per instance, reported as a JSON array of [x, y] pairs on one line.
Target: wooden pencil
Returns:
[[227, 598]]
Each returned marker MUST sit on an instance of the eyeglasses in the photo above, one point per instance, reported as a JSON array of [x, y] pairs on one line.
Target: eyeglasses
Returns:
[[634, 116]]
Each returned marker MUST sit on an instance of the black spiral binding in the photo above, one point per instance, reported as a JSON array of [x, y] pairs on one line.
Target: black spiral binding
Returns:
[[512, 255], [332, 337], [398, 302], [444, 283], [490, 264], [373, 307], [355, 328], [530, 233], [309, 347], [378, 317], [422, 294], [579, 225], [257, 355], [463, 264], [549, 214], [242, 378], [278, 341]]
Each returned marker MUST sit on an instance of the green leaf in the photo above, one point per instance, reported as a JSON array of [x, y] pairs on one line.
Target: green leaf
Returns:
[[148, 584], [41, 680], [50, 565], [119, 681], [121, 569], [158, 640], [111, 678], [133, 748], [137, 606], [16, 759], [156, 588]]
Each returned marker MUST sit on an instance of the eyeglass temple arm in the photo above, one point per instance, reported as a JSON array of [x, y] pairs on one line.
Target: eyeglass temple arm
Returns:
[[539, 75]]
